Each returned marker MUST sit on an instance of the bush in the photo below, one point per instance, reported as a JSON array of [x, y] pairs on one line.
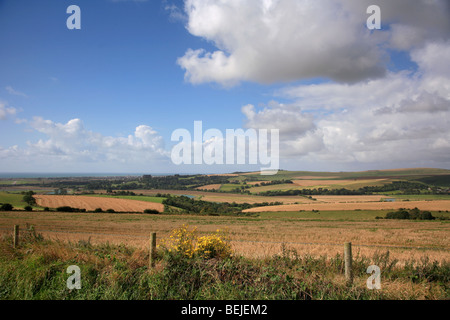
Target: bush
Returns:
[[151, 211], [426, 215], [28, 208], [413, 214], [46, 209], [187, 243], [6, 207], [401, 214], [110, 211], [65, 209], [69, 209], [98, 210], [213, 246]]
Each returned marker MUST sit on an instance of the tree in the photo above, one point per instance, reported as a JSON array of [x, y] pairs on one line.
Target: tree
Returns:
[[6, 207], [28, 198]]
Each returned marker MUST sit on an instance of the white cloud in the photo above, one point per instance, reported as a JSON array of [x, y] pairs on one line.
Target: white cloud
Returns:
[[175, 12], [283, 40], [71, 145], [6, 111], [12, 91], [403, 118], [298, 133]]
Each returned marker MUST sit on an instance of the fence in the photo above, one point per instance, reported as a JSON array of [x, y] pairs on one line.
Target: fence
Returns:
[[347, 248]]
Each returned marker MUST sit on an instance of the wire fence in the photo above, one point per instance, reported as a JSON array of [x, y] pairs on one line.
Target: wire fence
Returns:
[[241, 240]]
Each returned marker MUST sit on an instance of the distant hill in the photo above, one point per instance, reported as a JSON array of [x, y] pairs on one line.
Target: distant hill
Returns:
[[387, 173]]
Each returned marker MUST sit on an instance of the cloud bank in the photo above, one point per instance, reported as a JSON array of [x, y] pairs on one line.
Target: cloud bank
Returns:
[[70, 144], [284, 40], [401, 118]]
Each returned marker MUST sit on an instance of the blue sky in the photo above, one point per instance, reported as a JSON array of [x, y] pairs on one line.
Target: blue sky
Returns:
[[120, 67], [137, 63]]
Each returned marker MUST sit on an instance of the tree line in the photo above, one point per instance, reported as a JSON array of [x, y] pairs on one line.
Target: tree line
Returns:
[[191, 205], [406, 187]]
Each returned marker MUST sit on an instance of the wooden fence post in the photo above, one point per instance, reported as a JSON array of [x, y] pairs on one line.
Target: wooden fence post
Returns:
[[152, 250], [16, 236], [348, 263]]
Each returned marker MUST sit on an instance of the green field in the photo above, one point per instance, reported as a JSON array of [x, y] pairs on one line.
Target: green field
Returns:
[[229, 186], [17, 182], [139, 198], [404, 197], [12, 198], [428, 175], [338, 215]]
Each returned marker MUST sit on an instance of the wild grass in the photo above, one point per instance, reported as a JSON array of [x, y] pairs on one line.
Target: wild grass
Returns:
[[37, 270]]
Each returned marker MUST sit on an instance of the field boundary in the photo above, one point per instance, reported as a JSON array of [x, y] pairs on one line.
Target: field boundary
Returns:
[[241, 240]]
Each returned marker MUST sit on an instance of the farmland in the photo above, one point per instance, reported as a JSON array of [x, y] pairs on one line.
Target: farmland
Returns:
[[91, 203], [437, 205], [309, 232], [314, 226]]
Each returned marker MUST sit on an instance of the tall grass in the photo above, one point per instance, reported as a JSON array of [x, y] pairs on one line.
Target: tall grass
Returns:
[[37, 270]]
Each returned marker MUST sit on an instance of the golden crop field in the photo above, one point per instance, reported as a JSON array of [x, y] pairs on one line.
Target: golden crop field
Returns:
[[252, 236], [91, 203], [348, 183], [210, 187], [319, 183], [434, 205]]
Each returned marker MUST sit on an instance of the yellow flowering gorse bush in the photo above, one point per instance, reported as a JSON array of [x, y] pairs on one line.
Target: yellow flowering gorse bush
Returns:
[[186, 242]]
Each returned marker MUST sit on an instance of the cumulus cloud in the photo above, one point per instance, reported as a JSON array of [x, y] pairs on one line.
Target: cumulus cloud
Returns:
[[402, 118], [71, 143], [297, 130], [283, 40]]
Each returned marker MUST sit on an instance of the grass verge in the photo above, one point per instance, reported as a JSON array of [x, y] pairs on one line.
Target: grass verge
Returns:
[[37, 270]]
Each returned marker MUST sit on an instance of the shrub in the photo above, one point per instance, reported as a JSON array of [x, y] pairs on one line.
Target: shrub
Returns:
[[401, 214], [187, 243], [426, 215], [151, 211], [414, 214], [6, 207], [46, 209], [182, 241], [28, 208], [110, 211], [65, 209], [213, 246], [98, 210], [69, 209]]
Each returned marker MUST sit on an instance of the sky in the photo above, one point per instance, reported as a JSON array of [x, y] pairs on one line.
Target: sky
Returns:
[[108, 96]]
